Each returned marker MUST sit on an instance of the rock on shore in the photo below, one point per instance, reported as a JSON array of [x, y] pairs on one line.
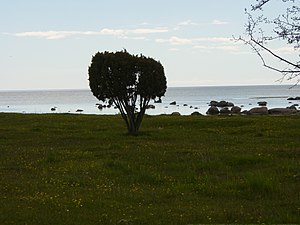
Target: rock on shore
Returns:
[[273, 111], [282, 111], [222, 108], [221, 104], [236, 110], [213, 110], [263, 103], [293, 99], [258, 111]]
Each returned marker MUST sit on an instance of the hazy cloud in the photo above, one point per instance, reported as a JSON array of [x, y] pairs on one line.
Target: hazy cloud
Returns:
[[201, 43], [219, 22], [184, 24], [105, 31], [49, 34], [285, 50], [175, 41], [230, 48], [148, 31], [207, 44], [192, 41], [187, 23], [214, 39]]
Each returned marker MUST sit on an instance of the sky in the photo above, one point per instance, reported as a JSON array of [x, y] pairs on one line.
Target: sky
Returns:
[[49, 44]]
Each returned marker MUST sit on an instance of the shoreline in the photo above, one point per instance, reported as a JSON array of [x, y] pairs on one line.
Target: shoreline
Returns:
[[193, 114]]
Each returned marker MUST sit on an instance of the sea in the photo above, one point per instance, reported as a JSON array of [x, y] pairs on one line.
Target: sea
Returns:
[[188, 99]]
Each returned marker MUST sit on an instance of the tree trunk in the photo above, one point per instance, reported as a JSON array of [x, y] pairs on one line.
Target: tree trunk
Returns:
[[135, 121]]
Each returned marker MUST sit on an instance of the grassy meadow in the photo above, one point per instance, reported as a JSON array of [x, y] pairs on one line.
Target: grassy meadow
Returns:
[[84, 169]]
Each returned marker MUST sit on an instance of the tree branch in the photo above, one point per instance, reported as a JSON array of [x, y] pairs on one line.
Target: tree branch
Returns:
[[262, 30], [259, 5], [275, 55]]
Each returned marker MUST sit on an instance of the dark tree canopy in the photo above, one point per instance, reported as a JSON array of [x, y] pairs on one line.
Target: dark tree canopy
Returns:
[[267, 30], [127, 81]]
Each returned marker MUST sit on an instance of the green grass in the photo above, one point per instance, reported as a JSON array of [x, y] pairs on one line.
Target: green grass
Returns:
[[85, 169]]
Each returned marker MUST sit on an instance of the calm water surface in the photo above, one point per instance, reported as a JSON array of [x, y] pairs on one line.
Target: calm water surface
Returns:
[[68, 101]]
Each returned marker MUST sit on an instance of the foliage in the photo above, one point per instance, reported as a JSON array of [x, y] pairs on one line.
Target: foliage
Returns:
[[127, 81], [267, 33], [82, 169]]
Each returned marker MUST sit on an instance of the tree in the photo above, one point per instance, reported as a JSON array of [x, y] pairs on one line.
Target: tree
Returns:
[[127, 81], [265, 33]]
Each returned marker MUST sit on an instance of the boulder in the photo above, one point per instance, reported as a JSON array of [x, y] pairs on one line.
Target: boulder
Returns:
[[282, 111], [150, 107], [263, 103], [258, 111], [79, 110], [196, 114], [225, 104], [213, 103], [100, 106], [213, 110], [225, 111], [221, 104], [236, 110], [175, 114], [292, 107], [173, 103], [293, 99]]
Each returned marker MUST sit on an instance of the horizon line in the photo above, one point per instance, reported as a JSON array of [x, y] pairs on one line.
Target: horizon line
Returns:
[[172, 86]]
